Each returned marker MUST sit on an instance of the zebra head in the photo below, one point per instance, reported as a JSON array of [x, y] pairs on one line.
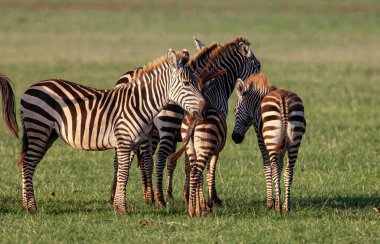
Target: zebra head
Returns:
[[250, 64], [183, 88], [243, 112]]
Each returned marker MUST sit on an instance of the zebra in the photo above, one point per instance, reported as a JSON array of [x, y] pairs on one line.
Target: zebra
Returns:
[[166, 132], [278, 118], [8, 103], [95, 120], [209, 136]]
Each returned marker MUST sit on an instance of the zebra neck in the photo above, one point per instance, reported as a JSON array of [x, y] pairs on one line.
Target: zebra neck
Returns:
[[149, 94], [218, 92]]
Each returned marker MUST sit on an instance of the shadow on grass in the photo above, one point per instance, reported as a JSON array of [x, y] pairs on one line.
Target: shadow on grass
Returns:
[[243, 205], [232, 206], [11, 205], [57, 206]]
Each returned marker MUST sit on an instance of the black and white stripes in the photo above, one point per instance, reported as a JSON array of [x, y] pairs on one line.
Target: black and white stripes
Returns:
[[278, 118], [91, 119]]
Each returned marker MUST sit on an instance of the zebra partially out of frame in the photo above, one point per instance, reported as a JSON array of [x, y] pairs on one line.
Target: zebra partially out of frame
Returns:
[[165, 133], [278, 118], [238, 61], [8, 102], [91, 119]]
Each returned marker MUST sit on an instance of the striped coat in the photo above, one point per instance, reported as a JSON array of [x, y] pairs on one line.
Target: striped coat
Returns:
[[208, 138], [166, 132], [278, 118], [91, 119]]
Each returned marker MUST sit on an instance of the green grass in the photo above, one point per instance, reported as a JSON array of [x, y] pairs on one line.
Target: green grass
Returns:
[[326, 51]]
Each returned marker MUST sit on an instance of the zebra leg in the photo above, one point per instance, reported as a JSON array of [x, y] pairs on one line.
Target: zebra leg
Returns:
[[276, 178], [165, 148], [266, 165], [212, 194], [34, 150], [124, 150], [268, 175], [114, 183], [197, 206], [146, 170], [193, 190], [288, 178], [186, 186], [113, 189], [169, 181]]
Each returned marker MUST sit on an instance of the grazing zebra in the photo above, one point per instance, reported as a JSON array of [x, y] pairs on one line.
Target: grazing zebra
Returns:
[[8, 101], [91, 119], [278, 118], [209, 135], [166, 132]]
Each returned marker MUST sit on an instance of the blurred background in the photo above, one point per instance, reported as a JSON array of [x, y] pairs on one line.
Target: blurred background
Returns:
[[328, 52]]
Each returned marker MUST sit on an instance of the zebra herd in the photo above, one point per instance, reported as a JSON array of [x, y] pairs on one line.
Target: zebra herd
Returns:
[[173, 99]]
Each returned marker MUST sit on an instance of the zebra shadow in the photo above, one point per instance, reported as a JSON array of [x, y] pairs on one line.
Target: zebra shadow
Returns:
[[56, 207], [247, 205]]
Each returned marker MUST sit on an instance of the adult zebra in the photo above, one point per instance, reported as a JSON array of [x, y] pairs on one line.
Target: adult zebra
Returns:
[[278, 118], [238, 61], [8, 102], [166, 132], [91, 119]]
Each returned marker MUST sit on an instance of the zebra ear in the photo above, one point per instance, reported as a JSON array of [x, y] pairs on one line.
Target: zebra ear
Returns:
[[198, 43], [185, 57], [246, 50], [172, 59], [239, 86]]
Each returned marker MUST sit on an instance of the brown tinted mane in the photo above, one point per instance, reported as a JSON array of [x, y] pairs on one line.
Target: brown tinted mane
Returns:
[[220, 53], [157, 63], [153, 65], [259, 81], [203, 53], [227, 48]]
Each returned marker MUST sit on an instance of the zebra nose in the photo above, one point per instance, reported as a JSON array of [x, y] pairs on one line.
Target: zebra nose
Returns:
[[237, 138]]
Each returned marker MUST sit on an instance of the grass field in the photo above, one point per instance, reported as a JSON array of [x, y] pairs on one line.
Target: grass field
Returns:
[[326, 51]]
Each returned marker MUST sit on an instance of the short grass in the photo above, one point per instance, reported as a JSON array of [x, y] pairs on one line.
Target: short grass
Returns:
[[326, 51]]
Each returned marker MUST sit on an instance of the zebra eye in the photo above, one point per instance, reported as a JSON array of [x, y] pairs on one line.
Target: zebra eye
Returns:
[[186, 82]]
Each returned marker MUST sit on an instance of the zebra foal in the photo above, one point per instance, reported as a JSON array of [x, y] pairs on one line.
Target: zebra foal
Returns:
[[278, 118], [95, 120]]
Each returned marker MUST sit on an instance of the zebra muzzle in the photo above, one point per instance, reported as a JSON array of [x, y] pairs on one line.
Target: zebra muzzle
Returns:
[[237, 138]]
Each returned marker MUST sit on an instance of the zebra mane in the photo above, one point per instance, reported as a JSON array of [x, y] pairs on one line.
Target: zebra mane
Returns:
[[218, 54], [227, 48], [203, 54], [132, 76], [259, 82], [157, 63]]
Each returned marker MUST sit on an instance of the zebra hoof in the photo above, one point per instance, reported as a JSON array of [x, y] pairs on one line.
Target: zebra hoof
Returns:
[[215, 201], [120, 209], [270, 205], [286, 209], [161, 204], [32, 210], [169, 197]]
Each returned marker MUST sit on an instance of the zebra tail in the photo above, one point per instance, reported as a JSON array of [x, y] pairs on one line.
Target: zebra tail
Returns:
[[23, 150], [138, 154], [190, 130], [284, 120], [8, 102]]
